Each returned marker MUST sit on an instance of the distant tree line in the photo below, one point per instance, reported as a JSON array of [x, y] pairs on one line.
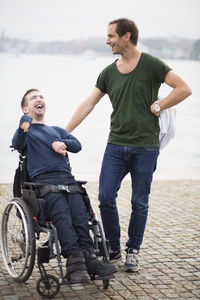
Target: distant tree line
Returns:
[[172, 48], [196, 50]]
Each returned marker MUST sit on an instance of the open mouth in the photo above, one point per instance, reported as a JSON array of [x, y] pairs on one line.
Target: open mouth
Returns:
[[39, 106]]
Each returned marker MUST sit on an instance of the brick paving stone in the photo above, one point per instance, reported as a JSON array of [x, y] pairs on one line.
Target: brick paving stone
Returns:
[[139, 293], [144, 298], [196, 292], [189, 286], [162, 287], [170, 293], [187, 295], [104, 298], [116, 298], [26, 297], [77, 287], [125, 294], [6, 290], [157, 296], [134, 288], [169, 256], [2, 282], [73, 298], [69, 294], [11, 297], [97, 295], [151, 291], [117, 286], [88, 297]]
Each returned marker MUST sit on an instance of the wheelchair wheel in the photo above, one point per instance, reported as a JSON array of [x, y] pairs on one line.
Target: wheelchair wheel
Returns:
[[18, 240], [48, 286]]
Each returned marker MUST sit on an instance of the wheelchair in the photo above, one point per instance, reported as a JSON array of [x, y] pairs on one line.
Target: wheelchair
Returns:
[[24, 222]]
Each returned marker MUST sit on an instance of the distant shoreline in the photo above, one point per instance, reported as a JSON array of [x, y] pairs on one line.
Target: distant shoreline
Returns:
[[166, 48]]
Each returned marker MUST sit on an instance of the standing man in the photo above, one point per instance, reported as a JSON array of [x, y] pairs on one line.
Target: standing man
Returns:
[[132, 83]]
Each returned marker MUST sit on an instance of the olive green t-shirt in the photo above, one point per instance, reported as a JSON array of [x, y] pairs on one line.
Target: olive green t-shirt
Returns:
[[131, 95]]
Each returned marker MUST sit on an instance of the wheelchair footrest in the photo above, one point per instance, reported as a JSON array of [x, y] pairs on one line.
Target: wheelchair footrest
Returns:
[[111, 276]]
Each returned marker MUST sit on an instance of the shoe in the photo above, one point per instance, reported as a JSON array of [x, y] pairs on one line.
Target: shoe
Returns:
[[76, 268], [132, 261], [115, 256], [96, 266]]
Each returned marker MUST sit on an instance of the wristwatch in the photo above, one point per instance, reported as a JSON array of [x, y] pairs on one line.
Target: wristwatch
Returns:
[[157, 107]]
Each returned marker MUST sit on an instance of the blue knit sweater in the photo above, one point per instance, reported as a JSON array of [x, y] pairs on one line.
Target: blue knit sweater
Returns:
[[37, 147]]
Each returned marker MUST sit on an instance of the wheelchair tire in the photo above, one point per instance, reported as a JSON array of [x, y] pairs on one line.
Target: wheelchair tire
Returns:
[[18, 240], [48, 286]]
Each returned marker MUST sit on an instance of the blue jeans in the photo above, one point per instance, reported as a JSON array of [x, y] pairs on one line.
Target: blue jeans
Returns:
[[68, 213], [118, 161]]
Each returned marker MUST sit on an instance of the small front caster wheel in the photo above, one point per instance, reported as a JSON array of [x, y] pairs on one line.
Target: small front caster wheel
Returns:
[[48, 286]]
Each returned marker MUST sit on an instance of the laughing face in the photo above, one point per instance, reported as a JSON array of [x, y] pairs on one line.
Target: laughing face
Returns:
[[36, 105], [114, 40]]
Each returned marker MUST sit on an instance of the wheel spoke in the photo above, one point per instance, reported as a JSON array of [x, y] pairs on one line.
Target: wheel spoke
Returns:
[[18, 244]]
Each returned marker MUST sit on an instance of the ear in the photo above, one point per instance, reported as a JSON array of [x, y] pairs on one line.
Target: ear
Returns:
[[127, 36], [25, 110]]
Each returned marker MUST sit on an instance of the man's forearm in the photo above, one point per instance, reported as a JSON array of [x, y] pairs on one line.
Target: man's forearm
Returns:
[[84, 109], [180, 91], [79, 115], [176, 96]]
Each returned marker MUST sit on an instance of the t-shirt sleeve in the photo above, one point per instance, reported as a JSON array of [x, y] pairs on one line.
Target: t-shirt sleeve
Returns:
[[101, 82], [161, 69]]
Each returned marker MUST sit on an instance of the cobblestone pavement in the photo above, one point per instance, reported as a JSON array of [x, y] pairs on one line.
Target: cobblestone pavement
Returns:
[[170, 254]]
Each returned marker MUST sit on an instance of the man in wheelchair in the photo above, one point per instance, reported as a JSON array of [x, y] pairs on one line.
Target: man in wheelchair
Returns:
[[45, 148]]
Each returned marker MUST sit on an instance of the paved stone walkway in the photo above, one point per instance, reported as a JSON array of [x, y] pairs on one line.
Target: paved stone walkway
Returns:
[[170, 254]]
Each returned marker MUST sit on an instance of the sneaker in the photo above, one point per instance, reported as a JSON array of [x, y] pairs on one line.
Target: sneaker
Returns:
[[115, 256], [132, 261]]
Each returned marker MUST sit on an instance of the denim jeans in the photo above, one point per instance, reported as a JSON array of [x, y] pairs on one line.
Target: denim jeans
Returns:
[[118, 161], [68, 213]]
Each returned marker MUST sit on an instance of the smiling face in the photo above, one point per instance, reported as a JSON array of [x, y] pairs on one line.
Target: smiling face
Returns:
[[116, 42], [35, 105]]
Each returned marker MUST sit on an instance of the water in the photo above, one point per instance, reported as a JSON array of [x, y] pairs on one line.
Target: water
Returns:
[[68, 80]]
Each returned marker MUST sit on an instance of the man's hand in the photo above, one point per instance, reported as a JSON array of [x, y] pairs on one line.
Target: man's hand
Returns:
[[156, 113], [25, 126], [59, 147]]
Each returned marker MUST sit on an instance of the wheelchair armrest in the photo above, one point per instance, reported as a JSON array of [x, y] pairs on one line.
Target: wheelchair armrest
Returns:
[[81, 182]]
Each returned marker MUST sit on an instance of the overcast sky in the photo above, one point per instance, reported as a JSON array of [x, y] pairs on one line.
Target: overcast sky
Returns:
[[68, 19]]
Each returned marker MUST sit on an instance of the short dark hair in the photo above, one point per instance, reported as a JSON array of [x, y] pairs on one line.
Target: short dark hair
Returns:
[[23, 101], [125, 25]]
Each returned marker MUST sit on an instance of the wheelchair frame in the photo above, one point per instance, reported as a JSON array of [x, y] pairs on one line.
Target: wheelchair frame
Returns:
[[20, 230]]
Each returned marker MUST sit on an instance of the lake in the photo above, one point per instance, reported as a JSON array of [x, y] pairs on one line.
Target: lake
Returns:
[[68, 80]]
